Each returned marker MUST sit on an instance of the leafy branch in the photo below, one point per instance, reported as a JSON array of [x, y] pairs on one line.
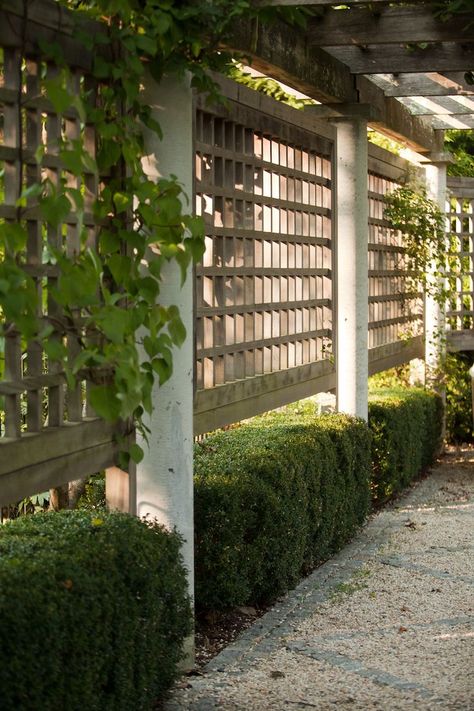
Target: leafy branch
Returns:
[[409, 210]]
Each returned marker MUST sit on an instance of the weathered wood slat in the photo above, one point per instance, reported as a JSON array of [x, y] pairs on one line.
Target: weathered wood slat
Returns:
[[36, 448], [378, 59], [55, 471], [397, 320], [459, 107], [264, 200], [238, 400], [263, 343], [389, 25], [460, 340], [206, 311], [261, 271], [425, 84], [11, 387], [394, 354], [283, 238]]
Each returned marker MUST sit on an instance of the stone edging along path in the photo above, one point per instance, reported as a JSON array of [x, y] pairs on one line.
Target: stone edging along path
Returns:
[[386, 624]]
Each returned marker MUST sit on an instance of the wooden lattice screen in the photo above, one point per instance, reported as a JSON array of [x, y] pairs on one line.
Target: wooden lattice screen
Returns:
[[460, 214], [395, 312], [49, 435], [264, 288]]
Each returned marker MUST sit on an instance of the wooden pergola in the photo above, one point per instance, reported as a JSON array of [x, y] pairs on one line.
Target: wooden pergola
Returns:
[[402, 63]]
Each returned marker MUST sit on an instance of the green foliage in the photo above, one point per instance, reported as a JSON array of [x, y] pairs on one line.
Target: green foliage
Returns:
[[267, 86], [406, 427], [420, 220], [458, 397], [104, 301], [392, 378], [379, 139], [93, 611], [461, 145], [274, 498]]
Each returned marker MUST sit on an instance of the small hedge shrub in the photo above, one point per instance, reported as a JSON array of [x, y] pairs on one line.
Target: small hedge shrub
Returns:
[[273, 498], [93, 611], [406, 427]]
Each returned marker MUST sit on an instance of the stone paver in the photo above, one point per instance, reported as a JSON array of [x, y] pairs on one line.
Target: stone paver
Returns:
[[386, 624]]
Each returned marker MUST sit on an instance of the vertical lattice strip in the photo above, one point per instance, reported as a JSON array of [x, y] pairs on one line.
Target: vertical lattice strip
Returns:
[[460, 214], [34, 249], [12, 181]]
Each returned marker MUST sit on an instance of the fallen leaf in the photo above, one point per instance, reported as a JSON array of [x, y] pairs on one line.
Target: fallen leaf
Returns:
[[403, 629]]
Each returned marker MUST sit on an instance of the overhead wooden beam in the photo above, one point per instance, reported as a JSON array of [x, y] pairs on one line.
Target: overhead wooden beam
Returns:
[[380, 59], [462, 123], [396, 121], [387, 25], [284, 53], [443, 105], [428, 84]]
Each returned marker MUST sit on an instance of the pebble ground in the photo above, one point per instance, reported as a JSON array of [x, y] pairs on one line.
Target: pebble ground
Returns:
[[387, 624]]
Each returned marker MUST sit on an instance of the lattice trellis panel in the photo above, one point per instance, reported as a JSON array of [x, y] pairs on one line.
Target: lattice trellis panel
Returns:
[[42, 419], [460, 215], [264, 289], [395, 311]]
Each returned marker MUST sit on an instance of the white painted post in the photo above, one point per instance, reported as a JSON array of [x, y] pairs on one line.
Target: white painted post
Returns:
[[164, 478], [434, 313], [352, 311]]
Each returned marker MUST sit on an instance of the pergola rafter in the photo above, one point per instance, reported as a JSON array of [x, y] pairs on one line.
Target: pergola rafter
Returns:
[[389, 25], [385, 55]]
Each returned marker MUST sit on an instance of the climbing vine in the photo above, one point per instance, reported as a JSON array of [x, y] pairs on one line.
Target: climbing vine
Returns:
[[420, 220], [106, 298]]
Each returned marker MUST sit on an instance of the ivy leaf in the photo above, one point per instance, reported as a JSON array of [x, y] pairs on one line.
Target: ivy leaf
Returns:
[[162, 368], [136, 453], [103, 400], [122, 202], [176, 327], [114, 322], [54, 208], [13, 236], [120, 267], [55, 349], [147, 44], [58, 94]]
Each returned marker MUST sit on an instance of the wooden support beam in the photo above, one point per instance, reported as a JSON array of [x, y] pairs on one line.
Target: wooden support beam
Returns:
[[284, 53], [387, 25], [379, 59], [427, 84], [396, 120]]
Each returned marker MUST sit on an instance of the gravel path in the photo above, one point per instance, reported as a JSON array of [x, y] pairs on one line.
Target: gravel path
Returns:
[[386, 624]]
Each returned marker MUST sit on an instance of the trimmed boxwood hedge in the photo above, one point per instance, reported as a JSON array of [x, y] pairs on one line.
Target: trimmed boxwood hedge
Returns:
[[406, 427], [283, 492], [93, 612], [273, 498]]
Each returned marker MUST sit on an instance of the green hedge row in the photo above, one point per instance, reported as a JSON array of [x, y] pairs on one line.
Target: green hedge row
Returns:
[[273, 498], [406, 427], [283, 492], [93, 611]]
